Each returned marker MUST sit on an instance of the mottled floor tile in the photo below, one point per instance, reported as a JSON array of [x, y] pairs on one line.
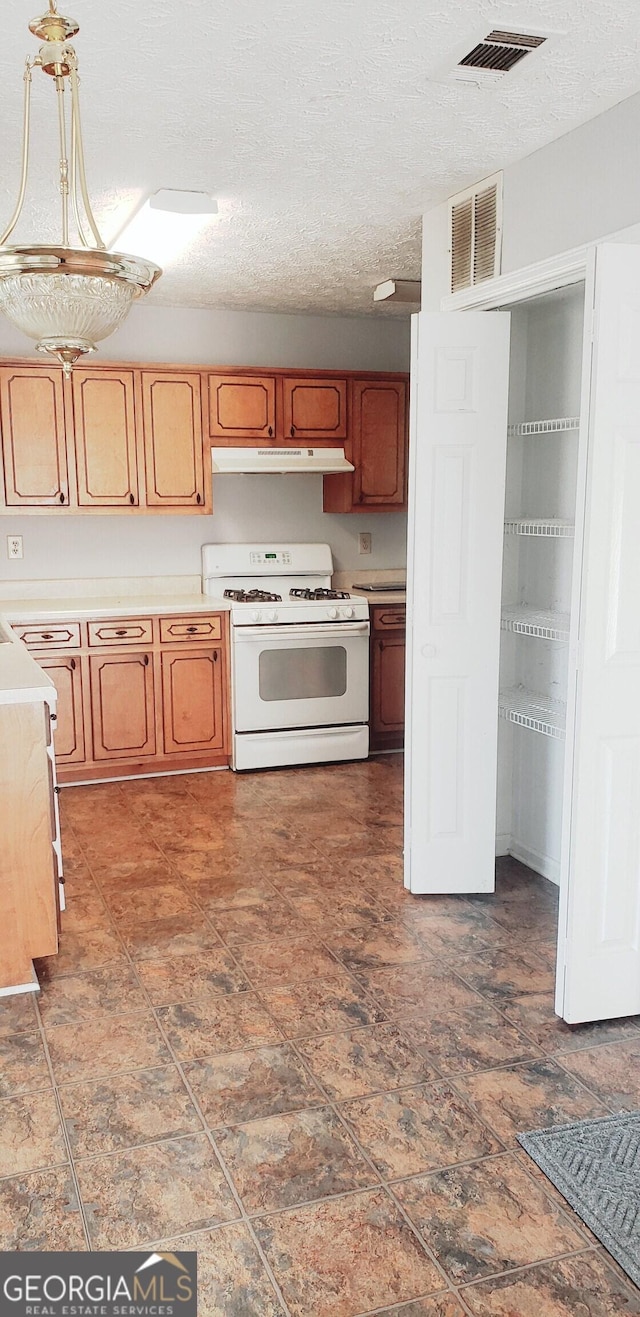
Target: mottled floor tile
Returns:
[[530, 1096], [466, 1034], [40, 1211], [190, 977], [321, 1006], [232, 1280], [499, 975], [153, 1192], [145, 1107], [486, 1218], [381, 944], [30, 1134], [454, 933], [418, 1129], [404, 990], [242, 1086], [217, 892], [439, 1305], [23, 1065], [72, 998], [78, 951], [536, 1016], [582, 1286], [611, 1072], [257, 923], [291, 1159], [335, 909], [224, 1024], [118, 877], [18, 1014], [147, 903], [365, 1061], [174, 935], [105, 1047], [352, 1255], [272, 964]]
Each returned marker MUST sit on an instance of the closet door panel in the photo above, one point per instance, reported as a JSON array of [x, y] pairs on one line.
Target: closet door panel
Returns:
[[600, 902], [457, 478]]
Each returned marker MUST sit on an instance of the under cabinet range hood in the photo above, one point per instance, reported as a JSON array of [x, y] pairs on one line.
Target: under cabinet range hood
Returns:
[[278, 461]]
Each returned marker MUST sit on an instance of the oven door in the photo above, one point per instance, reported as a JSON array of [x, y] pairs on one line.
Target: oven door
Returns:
[[314, 675]]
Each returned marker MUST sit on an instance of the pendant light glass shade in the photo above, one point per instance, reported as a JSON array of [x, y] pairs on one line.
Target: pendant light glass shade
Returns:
[[68, 298]]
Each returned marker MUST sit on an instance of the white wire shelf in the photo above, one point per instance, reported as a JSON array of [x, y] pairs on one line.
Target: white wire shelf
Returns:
[[527, 621], [537, 712], [555, 426], [553, 528]]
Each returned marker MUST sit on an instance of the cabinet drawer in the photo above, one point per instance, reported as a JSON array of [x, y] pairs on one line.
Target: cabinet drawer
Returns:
[[136, 631], [181, 629], [389, 619], [45, 635]]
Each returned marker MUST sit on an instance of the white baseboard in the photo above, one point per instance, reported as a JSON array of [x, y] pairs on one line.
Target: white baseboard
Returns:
[[503, 843], [542, 864]]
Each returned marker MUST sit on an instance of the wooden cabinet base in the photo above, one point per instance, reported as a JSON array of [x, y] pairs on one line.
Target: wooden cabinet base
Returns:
[[388, 656], [80, 774]]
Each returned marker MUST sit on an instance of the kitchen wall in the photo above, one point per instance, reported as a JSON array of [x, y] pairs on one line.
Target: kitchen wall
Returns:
[[287, 508], [576, 190]]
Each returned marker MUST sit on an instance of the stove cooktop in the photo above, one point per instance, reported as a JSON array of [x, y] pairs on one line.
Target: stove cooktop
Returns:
[[253, 597], [318, 593]]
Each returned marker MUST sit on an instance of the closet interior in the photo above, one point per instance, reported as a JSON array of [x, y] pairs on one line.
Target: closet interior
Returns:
[[539, 526]]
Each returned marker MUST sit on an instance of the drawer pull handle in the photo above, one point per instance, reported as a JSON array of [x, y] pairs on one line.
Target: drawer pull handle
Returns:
[[121, 631], [192, 628], [47, 635]]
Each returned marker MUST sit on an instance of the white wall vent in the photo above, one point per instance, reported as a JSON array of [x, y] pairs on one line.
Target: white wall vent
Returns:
[[496, 55], [475, 233]]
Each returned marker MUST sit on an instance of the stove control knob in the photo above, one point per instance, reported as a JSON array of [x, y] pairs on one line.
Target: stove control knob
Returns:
[[349, 612], [332, 613], [272, 616], [256, 616]]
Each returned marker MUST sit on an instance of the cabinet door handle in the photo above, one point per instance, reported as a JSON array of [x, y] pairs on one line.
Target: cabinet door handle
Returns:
[[270, 432], [146, 660], [53, 717], [62, 498], [73, 664], [215, 655], [132, 498], [293, 431], [56, 791], [198, 498], [381, 645]]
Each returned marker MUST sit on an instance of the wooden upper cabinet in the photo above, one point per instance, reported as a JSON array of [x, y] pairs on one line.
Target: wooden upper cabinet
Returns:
[[379, 430], [314, 409], [123, 706], [173, 441], [34, 443], [193, 700], [242, 407], [105, 431]]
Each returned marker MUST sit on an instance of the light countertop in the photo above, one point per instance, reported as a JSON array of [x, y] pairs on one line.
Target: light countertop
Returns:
[[22, 681], [50, 609], [345, 580]]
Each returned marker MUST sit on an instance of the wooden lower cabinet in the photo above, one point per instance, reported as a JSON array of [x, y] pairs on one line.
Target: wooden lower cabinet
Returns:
[[138, 695], [388, 656], [193, 700]]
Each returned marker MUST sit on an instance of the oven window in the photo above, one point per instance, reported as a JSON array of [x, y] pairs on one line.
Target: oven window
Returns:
[[316, 673]]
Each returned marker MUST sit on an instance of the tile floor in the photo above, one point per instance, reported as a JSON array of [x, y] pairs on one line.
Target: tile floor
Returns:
[[256, 1044]]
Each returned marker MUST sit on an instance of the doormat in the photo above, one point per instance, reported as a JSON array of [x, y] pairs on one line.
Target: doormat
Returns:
[[596, 1166]]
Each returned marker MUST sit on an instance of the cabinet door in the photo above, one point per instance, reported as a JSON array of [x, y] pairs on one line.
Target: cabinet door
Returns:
[[387, 690], [122, 706], [242, 407], [193, 700], [379, 430], [314, 409], [173, 444], [34, 446], [105, 428], [66, 674]]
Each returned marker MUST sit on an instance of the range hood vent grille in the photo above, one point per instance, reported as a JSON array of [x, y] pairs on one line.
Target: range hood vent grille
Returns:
[[279, 461]]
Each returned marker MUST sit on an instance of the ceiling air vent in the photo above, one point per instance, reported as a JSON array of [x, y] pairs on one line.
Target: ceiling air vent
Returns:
[[475, 227], [496, 55]]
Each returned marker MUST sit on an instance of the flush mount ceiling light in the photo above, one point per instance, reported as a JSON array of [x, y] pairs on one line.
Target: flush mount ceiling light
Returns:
[[66, 297], [167, 222]]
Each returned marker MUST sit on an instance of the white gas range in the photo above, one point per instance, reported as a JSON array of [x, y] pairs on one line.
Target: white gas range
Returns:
[[299, 654]]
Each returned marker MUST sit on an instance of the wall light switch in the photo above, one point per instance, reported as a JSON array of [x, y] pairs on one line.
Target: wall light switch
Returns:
[[364, 541], [14, 546]]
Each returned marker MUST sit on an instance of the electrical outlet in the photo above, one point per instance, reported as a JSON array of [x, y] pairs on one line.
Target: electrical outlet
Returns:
[[14, 546], [364, 541]]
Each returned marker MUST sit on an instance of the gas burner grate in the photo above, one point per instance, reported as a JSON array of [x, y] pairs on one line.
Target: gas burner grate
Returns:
[[319, 593], [253, 597]]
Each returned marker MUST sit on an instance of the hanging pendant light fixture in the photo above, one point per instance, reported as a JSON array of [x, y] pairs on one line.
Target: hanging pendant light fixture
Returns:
[[66, 297]]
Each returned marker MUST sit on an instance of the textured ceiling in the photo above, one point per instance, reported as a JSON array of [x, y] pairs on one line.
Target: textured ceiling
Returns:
[[323, 128]]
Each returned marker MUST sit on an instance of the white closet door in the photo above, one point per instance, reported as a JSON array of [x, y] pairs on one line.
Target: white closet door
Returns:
[[460, 377], [600, 914]]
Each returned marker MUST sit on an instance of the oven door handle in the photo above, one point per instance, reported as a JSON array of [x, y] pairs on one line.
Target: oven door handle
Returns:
[[301, 631]]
